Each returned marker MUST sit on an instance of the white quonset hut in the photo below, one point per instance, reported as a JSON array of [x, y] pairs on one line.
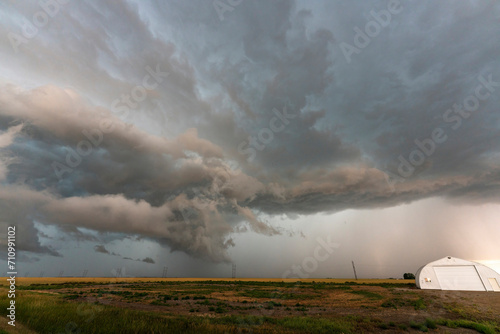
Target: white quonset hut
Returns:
[[451, 273]]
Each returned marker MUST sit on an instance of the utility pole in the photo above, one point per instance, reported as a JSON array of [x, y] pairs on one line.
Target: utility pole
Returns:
[[354, 268], [165, 269], [61, 273], [84, 274], [233, 274], [41, 273]]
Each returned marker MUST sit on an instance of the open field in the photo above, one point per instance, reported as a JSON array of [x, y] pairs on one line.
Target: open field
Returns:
[[51, 280], [187, 305]]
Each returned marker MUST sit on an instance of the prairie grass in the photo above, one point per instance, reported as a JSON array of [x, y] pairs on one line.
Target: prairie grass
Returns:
[[52, 314], [214, 306]]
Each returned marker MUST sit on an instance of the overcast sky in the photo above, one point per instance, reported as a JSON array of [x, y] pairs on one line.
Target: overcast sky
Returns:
[[287, 137]]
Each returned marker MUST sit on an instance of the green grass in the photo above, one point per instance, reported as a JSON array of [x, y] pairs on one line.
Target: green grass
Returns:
[[315, 325], [54, 314], [51, 314], [53, 286], [481, 327], [430, 323], [275, 294], [418, 304], [418, 326], [67, 310]]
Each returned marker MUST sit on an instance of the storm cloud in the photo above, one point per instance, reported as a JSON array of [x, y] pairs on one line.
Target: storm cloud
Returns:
[[160, 120]]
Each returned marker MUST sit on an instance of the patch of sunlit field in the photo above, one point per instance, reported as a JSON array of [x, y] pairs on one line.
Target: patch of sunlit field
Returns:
[[53, 280]]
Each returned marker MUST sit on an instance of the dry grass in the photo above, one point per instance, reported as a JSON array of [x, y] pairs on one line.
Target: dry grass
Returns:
[[199, 305], [51, 280]]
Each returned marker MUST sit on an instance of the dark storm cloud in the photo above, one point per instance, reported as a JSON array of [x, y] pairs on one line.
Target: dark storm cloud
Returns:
[[19, 211], [184, 209], [402, 85], [101, 249], [227, 152], [280, 66]]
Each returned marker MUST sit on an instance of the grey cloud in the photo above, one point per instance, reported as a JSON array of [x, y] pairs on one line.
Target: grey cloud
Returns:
[[415, 81], [201, 233], [197, 215], [15, 210], [190, 188], [113, 67], [101, 249]]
